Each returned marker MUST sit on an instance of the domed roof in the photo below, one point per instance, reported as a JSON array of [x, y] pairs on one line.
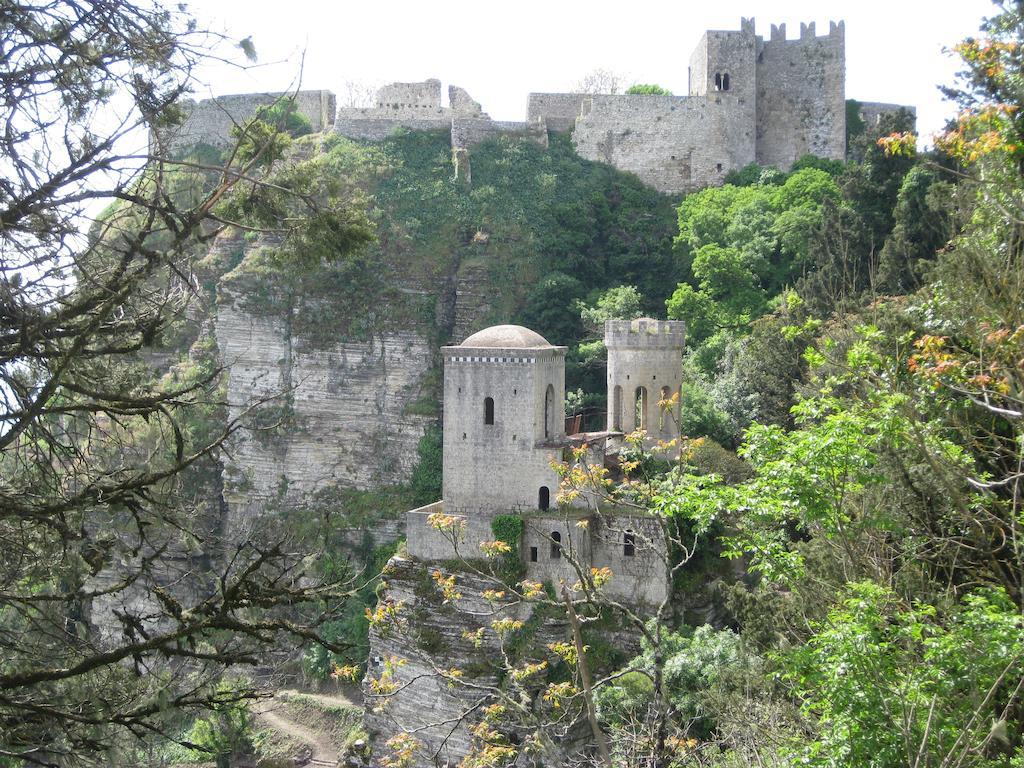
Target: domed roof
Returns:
[[506, 337]]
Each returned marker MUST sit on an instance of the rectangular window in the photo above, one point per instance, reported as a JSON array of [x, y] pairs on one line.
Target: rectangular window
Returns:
[[533, 554]]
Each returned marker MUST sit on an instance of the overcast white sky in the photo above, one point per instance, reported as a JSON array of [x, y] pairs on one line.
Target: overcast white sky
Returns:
[[500, 51]]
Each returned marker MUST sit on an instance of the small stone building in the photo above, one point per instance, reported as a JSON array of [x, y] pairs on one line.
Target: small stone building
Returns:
[[504, 429]]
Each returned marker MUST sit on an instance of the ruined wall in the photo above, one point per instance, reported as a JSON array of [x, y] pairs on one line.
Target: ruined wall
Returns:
[[556, 110], [417, 107], [872, 112], [369, 125], [461, 103], [675, 144], [411, 99], [467, 132], [801, 96], [210, 121]]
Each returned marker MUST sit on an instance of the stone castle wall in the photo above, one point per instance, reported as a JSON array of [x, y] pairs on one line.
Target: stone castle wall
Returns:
[[801, 96], [556, 110], [749, 100], [872, 112], [210, 121], [467, 132], [411, 99], [675, 144]]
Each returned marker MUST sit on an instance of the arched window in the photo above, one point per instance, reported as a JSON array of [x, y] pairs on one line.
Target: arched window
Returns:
[[617, 409], [556, 545], [543, 498], [641, 408], [629, 544], [725, 82], [488, 410], [718, 81], [664, 411], [549, 411]]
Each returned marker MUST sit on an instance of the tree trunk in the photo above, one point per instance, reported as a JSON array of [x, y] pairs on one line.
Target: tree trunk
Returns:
[[588, 691]]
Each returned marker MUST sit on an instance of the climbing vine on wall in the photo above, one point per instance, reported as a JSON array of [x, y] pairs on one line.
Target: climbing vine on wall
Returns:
[[509, 529]]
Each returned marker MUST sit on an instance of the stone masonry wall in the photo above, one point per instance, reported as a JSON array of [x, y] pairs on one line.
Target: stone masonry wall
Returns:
[[801, 96], [410, 99], [370, 125], [871, 112], [640, 579], [210, 121], [557, 110], [470, 131], [675, 144]]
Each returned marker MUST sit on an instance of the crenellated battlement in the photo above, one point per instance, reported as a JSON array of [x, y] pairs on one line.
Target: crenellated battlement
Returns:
[[645, 333], [808, 31]]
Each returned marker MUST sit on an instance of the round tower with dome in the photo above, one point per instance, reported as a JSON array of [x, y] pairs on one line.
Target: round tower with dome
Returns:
[[504, 421]]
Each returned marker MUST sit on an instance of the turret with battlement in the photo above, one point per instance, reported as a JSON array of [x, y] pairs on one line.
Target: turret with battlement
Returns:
[[644, 370]]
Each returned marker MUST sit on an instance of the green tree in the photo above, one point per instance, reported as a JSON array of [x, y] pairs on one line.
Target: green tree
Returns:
[[623, 302], [894, 684], [648, 89], [121, 602]]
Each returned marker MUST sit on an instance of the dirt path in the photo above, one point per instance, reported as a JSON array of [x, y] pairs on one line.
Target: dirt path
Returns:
[[331, 700], [324, 752]]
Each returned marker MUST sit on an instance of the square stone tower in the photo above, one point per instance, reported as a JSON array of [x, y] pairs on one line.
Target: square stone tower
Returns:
[[504, 421]]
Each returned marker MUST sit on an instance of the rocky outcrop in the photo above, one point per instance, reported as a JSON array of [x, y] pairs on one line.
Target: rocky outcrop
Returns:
[[432, 637], [341, 413]]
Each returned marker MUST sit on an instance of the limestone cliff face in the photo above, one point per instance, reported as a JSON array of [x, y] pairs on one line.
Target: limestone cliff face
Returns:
[[341, 413]]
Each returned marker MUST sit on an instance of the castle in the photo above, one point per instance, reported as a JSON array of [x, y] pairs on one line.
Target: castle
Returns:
[[504, 427], [749, 100]]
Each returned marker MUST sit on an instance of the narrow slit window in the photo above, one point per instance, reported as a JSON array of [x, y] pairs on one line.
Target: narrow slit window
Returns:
[[549, 411], [488, 410], [725, 82], [617, 409]]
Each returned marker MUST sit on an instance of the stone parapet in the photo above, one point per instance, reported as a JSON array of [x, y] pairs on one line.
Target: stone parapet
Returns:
[[500, 356], [645, 334]]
